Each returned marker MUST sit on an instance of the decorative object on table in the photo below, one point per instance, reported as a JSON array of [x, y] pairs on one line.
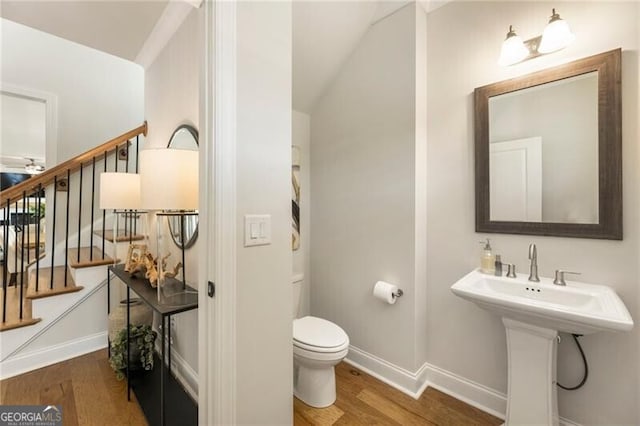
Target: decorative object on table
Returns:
[[135, 258], [141, 341], [173, 191], [295, 197], [139, 314], [153, 274]]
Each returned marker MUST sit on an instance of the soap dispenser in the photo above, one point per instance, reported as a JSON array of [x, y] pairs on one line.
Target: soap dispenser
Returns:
[[488, 259]]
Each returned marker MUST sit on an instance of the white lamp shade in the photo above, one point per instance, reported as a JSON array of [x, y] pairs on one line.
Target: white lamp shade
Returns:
[[556, 36], [120, 191], [169, 179], [513, 51]]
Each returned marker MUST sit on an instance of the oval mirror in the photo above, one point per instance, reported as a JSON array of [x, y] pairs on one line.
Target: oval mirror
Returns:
[[184, 228]]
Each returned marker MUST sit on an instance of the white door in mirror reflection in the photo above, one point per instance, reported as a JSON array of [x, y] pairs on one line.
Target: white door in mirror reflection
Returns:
[[515, 180]]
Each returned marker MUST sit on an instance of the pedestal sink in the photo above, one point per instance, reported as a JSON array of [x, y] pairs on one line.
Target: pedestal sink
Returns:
[[533, 314]]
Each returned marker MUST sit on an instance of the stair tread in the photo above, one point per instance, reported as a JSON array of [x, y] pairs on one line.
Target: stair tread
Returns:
[[13, 310], [30, 246], [10, 325], [44, 288], [120, 236], [86, 259]]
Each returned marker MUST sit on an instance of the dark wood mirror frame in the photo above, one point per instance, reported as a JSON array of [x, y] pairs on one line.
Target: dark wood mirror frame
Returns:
[[608, 66]]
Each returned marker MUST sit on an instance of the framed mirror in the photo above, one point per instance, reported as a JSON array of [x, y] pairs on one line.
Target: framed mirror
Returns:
[[184, 228], [548, 151]]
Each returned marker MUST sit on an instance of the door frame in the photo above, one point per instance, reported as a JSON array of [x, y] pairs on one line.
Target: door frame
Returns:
[[51, 116], [532, 148], [217, 314]]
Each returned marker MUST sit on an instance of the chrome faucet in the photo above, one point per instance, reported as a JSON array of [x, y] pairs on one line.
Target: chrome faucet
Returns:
[[533, 268]]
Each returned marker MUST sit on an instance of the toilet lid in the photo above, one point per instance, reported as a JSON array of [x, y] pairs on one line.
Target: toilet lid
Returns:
[[317, 332]]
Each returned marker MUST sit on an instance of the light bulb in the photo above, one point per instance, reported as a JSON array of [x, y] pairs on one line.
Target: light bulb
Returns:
[[556, 35], [513, 49]]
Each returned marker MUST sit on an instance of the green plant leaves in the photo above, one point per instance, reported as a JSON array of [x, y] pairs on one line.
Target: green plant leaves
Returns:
[[143, 337]]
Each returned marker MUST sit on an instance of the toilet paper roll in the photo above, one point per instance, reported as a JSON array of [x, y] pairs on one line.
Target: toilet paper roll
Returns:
[[385, 292]]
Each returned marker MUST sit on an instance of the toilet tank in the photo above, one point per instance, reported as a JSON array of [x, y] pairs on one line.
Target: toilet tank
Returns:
[[296, 281]]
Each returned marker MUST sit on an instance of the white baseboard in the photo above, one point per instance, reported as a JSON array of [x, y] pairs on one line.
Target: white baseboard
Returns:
[[414, 384], [26, 362], [182, 371], [474, 394]]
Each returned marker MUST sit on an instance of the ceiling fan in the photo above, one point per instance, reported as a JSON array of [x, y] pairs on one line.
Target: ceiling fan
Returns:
[[33, 166]]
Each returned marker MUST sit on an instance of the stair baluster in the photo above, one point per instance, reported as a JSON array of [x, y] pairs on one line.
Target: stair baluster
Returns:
[[53, 226], [66, 239], [93, 203], [135, 223], [104, 212], [5, 250], [15, 261], [38, 209], [80, 213], [22, 268], [24, 197]]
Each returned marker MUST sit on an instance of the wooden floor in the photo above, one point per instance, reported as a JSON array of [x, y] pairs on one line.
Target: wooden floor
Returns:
[[364, 400], [86, 387], [90, 394]]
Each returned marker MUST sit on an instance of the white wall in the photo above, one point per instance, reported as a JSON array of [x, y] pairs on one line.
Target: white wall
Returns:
[[363, 147], [172, 98], [264, 360], [301, 136], [464, 339], [99, 96]]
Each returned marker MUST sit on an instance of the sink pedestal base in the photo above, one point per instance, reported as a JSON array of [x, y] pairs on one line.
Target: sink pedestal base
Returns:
[[532, 396]]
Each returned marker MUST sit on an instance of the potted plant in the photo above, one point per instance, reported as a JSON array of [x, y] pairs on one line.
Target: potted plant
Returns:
[[142, 338]]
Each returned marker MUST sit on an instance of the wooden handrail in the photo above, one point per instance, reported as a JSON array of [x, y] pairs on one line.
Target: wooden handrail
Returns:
[[47, 177]]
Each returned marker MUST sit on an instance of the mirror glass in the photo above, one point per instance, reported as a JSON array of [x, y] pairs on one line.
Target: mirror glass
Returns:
[[184, 228], [548, 151], [543, 152]]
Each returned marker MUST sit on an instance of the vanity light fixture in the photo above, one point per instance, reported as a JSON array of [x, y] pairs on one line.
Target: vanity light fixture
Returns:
[[556, 36]]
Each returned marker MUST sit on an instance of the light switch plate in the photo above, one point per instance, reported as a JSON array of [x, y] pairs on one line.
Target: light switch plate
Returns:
[[257, 230]]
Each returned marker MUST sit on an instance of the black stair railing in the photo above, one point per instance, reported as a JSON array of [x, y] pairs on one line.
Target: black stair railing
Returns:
[[28, 203]]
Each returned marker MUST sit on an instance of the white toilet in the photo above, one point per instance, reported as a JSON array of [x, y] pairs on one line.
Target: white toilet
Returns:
[[318, 345]]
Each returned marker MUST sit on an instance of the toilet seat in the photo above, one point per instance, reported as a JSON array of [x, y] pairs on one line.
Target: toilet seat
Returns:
[[319, 335]]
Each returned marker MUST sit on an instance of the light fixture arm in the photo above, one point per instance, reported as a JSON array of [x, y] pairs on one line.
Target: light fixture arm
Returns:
[[554, 16]]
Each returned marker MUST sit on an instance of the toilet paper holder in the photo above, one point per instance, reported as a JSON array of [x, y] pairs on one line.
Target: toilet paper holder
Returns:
[[398, 293]]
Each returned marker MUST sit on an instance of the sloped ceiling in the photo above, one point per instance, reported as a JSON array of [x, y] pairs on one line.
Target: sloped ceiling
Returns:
[[324, 35], [116, 27]]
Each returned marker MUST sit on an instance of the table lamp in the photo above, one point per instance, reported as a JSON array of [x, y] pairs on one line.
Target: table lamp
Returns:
[[120, 192], [169, 184]]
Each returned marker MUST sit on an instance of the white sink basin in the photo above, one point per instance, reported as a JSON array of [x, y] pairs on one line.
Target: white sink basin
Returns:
[[575, 308], [532, 314]]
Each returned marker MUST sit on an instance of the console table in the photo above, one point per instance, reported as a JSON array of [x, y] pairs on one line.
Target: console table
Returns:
[[176, 299]]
